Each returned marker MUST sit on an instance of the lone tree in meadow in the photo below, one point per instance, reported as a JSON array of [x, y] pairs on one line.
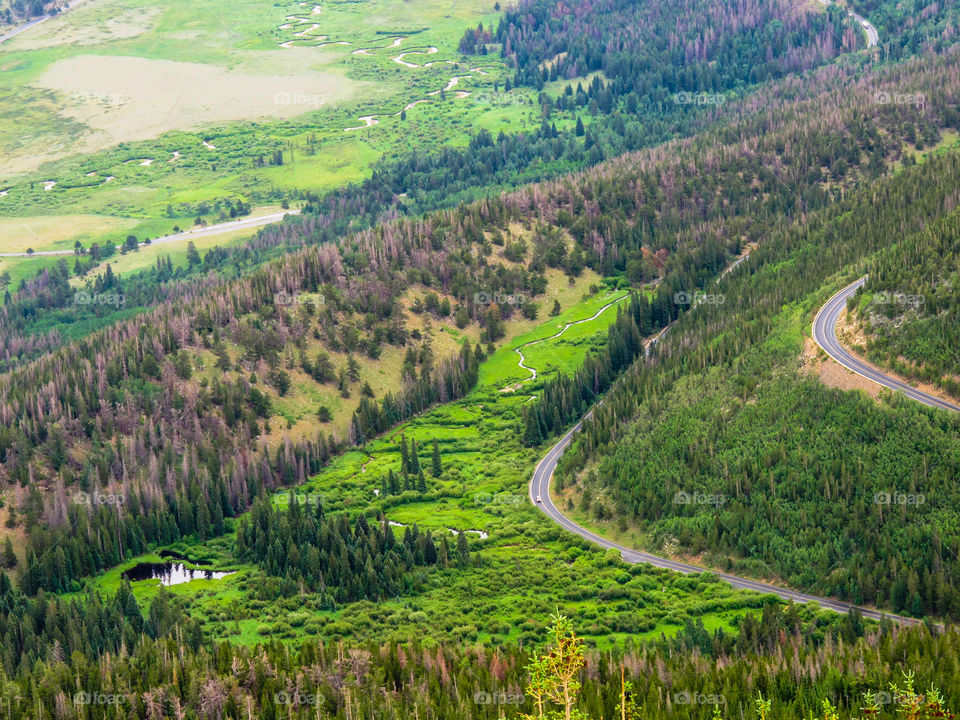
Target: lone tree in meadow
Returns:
[[436, 467]]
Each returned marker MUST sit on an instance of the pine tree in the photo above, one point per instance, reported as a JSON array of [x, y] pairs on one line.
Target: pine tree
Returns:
[[531, 435], [203, 519], [193, 257], [443, 560], [414, 460], [7, 557], [404, 455], [393, 483], [436, 467], [463, 549]]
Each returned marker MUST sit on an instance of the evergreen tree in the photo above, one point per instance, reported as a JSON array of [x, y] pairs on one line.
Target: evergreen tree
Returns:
[[421, 482], [436, 467], [414, 459], [463, 549], [7, 556]]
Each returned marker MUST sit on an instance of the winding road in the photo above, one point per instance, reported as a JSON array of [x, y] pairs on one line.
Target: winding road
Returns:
[[825, 335], [36, 21], [540, 487], [218, 229], [872, 37]]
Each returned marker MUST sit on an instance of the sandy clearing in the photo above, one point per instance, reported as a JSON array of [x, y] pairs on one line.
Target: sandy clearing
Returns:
[[833, 374], [49, 184], [176, 156], [146, 162], [89, 25], [162, 95], [209, 146]]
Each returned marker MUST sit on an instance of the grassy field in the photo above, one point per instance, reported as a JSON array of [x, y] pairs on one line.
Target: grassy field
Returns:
[[482, 490], [60, 232], [146, 113]]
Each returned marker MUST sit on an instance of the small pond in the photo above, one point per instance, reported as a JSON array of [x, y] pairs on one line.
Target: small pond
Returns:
[[170, 573], [178, 556]]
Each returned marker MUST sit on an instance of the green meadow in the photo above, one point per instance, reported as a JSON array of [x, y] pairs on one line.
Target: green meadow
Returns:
[[136, 141], [482, 490]]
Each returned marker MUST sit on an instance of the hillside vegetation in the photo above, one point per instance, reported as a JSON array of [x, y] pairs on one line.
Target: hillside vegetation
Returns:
[[288, 476], [822, 489], [908, 309]]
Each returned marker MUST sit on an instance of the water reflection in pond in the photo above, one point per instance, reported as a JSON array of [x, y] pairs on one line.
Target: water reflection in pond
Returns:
[[170, 573], [178, 556]]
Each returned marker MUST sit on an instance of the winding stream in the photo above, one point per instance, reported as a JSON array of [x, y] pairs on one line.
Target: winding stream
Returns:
[[306, 35], [523, 359]]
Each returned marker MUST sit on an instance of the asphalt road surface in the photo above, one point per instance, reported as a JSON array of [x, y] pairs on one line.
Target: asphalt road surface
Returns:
[[872, 37], [242, 224], [824, 332], [825, 335], [36, 21], [540, 488]]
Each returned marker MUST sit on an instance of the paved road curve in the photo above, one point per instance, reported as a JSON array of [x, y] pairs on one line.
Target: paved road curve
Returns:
[[825, 335], [219, 229], [543, 474], [872, 37], [36, 21], [540, 488]]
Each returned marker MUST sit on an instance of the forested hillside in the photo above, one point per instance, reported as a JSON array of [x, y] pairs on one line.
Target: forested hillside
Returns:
[[746, 47], [175, 408], [329, 430], [117, 410], [825, 490], [709, 48], [111, 658], [909, 310]]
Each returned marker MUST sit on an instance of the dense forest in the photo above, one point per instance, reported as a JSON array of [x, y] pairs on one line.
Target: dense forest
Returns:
[[707, 132], [108, 657], [711, 47], [908, 310], [674, 212], [721, 410], [306, 548], [621, 116]]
